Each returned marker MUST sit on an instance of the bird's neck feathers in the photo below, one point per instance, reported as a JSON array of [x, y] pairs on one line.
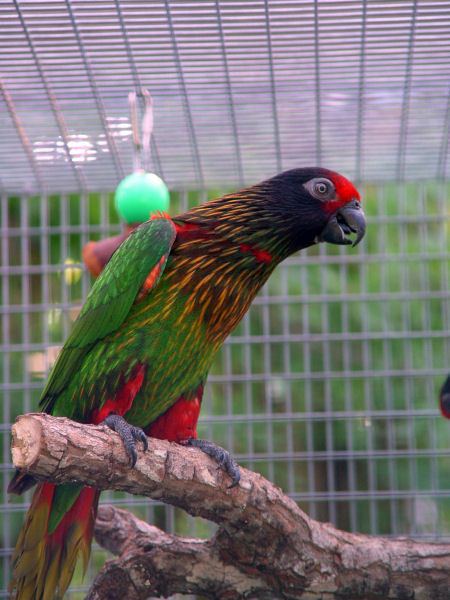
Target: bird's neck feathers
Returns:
[[253, 220], [225, 251]]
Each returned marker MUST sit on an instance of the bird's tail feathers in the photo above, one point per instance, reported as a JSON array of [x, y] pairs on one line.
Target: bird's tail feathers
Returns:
[[44, 561]]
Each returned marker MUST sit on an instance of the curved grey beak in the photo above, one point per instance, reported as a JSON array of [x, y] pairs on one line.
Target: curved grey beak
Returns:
[[347, 220]]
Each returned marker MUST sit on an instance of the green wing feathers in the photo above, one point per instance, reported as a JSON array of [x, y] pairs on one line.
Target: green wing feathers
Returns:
[[59, 523], [111, 298]]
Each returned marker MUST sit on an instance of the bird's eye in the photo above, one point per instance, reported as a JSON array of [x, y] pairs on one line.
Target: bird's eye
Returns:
[[321, 188]]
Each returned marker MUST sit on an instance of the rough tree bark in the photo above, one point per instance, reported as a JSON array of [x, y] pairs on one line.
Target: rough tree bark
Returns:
[[265, 547]]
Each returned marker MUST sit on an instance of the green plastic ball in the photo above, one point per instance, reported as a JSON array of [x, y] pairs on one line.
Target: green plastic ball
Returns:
[[139, 195]]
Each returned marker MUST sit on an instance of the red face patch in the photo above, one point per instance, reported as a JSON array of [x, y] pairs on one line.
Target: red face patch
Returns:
[[345, 192], [345, 188]]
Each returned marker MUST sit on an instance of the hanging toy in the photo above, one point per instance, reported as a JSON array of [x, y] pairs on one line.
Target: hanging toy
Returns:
[[138, 195], [141, 194]]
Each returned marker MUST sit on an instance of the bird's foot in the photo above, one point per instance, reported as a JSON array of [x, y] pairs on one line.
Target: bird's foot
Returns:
[[128, 433], [220, 455]]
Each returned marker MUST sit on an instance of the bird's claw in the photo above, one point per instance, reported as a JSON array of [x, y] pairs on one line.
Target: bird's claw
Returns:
[[129, 434], [220, 455]]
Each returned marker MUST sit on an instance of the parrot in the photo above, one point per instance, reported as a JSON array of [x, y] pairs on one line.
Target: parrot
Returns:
[[139, 352]]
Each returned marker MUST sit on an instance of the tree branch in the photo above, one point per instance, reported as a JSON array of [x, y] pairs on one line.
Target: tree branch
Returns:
[[266, 547], [157, 563]]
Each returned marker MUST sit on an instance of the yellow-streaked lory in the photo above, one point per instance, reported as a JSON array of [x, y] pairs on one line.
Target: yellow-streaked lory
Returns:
[[144, 341]]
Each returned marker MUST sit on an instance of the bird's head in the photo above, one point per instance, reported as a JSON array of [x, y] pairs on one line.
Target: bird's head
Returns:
[[316, 205], [271, 220]]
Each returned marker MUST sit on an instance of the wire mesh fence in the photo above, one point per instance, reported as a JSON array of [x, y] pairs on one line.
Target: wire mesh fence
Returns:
[[328, 387], [241, 89]]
